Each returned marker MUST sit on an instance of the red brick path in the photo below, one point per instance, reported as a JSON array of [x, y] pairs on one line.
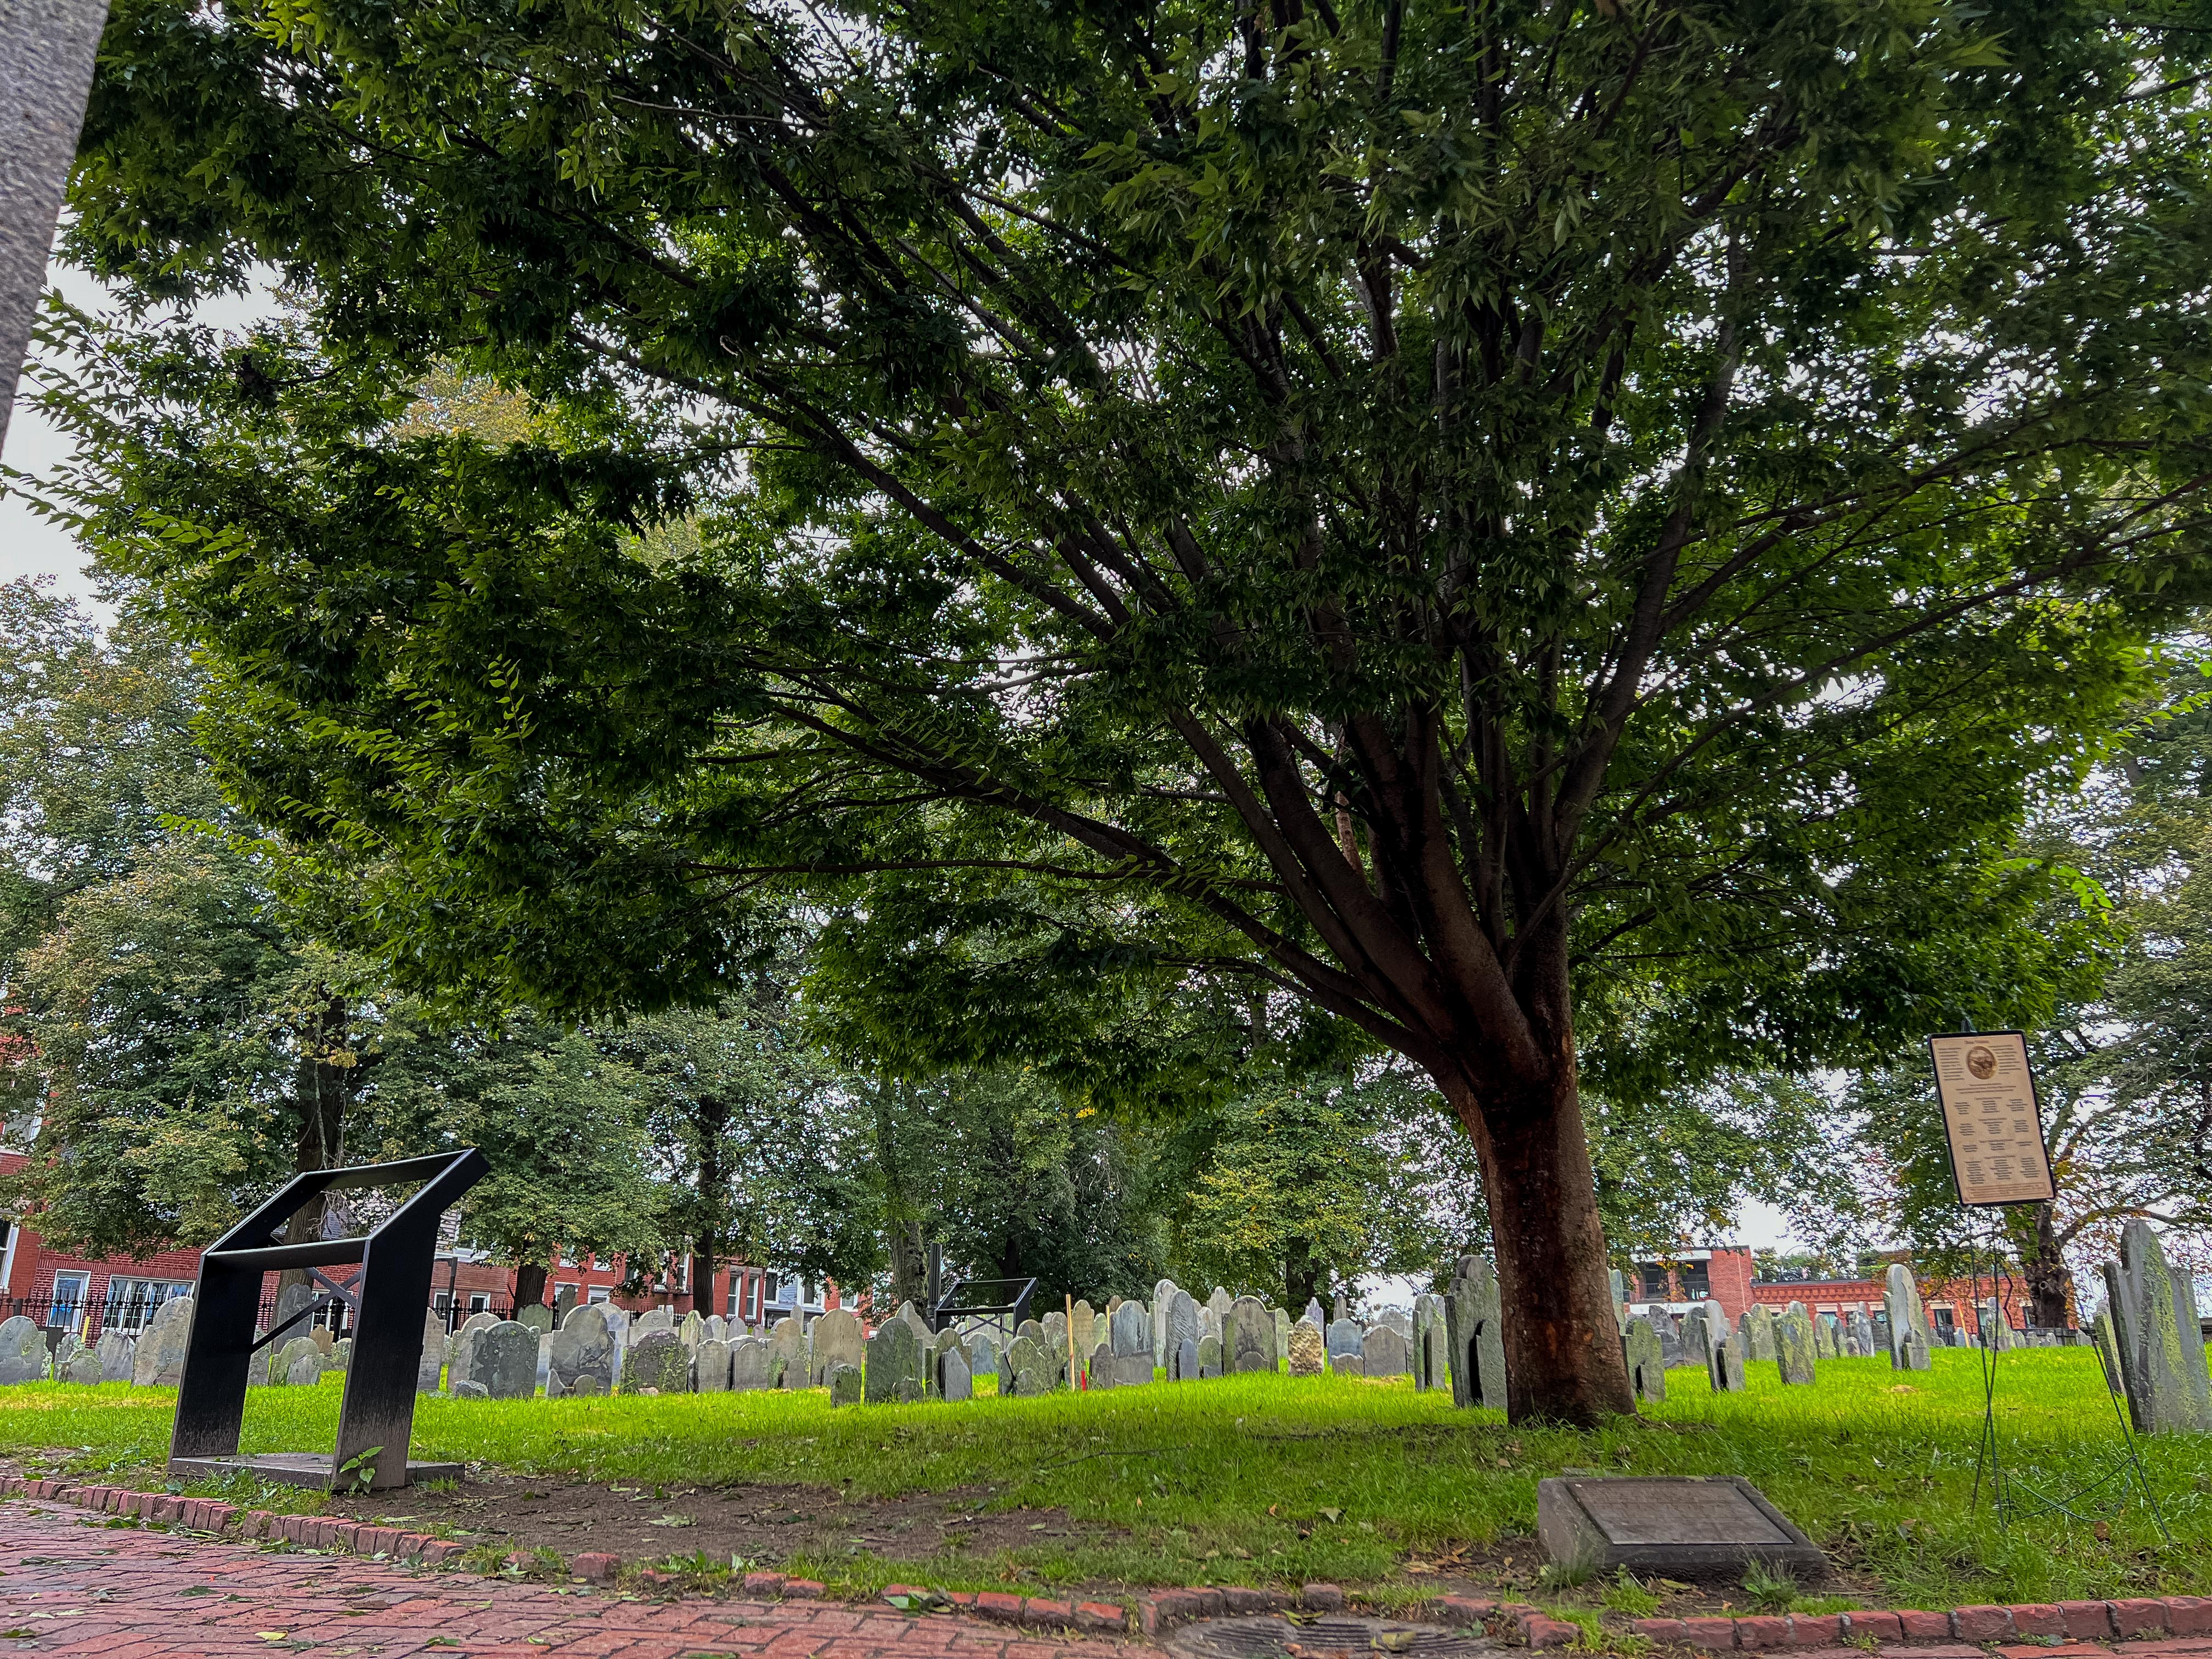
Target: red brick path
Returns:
[[125, 1592]]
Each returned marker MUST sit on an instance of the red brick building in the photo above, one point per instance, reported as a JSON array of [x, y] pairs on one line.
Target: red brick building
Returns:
[[1725, 1273]]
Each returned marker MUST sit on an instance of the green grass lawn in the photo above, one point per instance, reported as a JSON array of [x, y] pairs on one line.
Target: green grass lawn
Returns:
[[1216, 1481]]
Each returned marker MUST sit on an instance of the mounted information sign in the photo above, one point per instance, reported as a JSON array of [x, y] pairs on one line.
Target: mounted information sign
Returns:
[[1988, 1092]]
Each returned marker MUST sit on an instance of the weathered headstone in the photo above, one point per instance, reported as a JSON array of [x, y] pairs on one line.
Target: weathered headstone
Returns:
[[656, 1319], [564, 1304], [292, 1301], [1247, 1342], [1646, 1361], [1912, 1354], [431, 1365], [1431, 1346], [1098, 1369], [953, 1380], [160, 1361], [1698, 1337], [118, 1355], [1383, 1351], [787, 1341], [1900, 1300], [1307, 1347], [845, 1383], [1344, 1338], [341, 1355], [1758, 1332], [752, 1364], [1031, 1382], [1162, 1293], [1794, 1346], [464, 1338], [84, 1366], [837, 1340], [581, 1356], [1315, 1313], [1128, 1346], [537, 1315], [1183, 1363], [1056, 1332], [1206, 1356], [710, 1366], [1086, 1324], [1620, 1289], [504, 1359], [1474, 1326], [305, 1370], [2157, 1337], [1725, 1369], [1282, 1318], [657, 1360], [894, 1370], [1862, 1331], [1182, 1320], [983, 1352], [1220, 1302]]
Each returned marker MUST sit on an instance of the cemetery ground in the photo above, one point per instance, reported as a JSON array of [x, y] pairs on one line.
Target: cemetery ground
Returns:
[[1255, 1479]]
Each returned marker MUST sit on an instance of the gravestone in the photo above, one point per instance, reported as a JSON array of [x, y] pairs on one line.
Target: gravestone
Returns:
[[1474, 1327], [1098, 1369], [537, 1316], [836, 1340], [1128, 1346], [1248, 1342], [1030, 1327], [1431, 1367], [84, 1366], [710, 1366], [1314, 1312], [160, 1361], [1620, 1289], [118, 1355], [752, 1364], [284, 1356], [657, 1360], [1646, 1362], [1055, 1333], [429, 1369], [787, 1341], [1758, 1332], [1282, 1318], [1862, 1329], [983, 1352], [1086, 1322], [2157, 1336], [1307, 1347], [1725, 1371], [504, 1359], [1341, 1309], [581, 1357], [1881, 1323], [1344, 1338], [1698, 1337], [322, 1337], [894, 1370], [1206, 1356], [1900, 1300], [341, 1355], [953, 1379], [1997, 1330], [844, 1383], [1695, 1529], [292, 1301], [1912, 1354], [1209, 1323], [564, 1304], [1032, 1381], [1162, 1293], [464, 1339], [1383, 1352], [1183, 1363], [1794, 1346], [1182, 1320], [923, 1336], [306, 1371], [656, 1319], [1028, 1355]]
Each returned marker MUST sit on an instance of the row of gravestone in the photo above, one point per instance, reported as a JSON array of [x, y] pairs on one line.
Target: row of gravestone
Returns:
[[2148, 1336]]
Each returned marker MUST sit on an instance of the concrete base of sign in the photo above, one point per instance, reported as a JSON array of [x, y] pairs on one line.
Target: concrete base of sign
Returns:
[[1676, 1527], [311, 1469]]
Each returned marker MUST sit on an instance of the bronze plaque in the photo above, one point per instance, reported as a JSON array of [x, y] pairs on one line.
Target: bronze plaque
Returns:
[[1662, 1512], [1989, 1118]]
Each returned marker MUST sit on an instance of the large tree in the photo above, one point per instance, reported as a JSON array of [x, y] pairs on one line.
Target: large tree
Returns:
[[1561, 533]]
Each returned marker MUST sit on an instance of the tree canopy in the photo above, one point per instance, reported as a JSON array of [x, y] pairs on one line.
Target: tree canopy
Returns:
[[1562, 535]]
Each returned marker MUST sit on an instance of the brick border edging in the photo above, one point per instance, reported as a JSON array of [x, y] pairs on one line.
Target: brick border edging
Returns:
[[2127, 1619]]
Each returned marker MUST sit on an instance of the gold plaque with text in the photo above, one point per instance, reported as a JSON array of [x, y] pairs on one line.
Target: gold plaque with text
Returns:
[[1990, 1117]]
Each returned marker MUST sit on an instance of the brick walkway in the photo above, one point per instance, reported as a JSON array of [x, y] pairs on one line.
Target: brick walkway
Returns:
[[82, 1587]]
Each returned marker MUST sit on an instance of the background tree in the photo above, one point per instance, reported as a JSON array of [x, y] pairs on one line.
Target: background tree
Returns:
[[1562, 536]]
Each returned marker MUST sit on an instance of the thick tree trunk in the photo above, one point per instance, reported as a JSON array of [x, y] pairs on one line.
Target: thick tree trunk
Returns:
[[319, 1095], [1563, 1356], [2044, 1266], [910, 1266], [1301, 1279], [528, 1285]]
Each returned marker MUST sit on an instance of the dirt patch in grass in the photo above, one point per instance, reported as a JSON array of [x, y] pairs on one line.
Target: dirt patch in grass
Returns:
[[766, 1525]]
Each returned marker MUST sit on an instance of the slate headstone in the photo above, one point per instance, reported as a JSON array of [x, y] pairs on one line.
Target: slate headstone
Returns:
[[1383, 1352], [1475, 1327], [84, 1366], [504, 1359], [844, 1383], [1282, 1318], [582, 1357], [752, 1364], [464, 1339], [1431, 1346], [1162, 1293], [160, 1361], [118, 1354], [953, 1379], [564, 1304], [537, 1315], [306, 1371], [656, 1319], [1344, 1338], [657, 1360], [837, 1340], [1912, 1354], [787, 1341], [1793, 1347], [1128, 1346], [430, 1364], [710, 1366], [894, 1369], [1725, 1369], [1248, 1342], [1085, 1324], [1646, 1361], [1759, 1332], [1901, 1302], [983, 1352], [2157, 1336]]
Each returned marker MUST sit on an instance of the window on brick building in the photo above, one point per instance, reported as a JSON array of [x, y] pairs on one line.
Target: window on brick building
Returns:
[[67, 1304], [132, 1303]]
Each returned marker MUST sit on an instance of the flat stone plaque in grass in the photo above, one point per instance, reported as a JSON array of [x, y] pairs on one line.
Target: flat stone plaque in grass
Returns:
[[1682, 1527]]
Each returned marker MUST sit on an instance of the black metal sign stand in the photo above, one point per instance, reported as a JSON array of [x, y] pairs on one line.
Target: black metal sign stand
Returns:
[[387, 1300], [2011, 1495]]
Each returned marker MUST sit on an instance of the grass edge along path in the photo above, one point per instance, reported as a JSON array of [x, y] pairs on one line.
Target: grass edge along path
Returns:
[[1263, 1481]]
